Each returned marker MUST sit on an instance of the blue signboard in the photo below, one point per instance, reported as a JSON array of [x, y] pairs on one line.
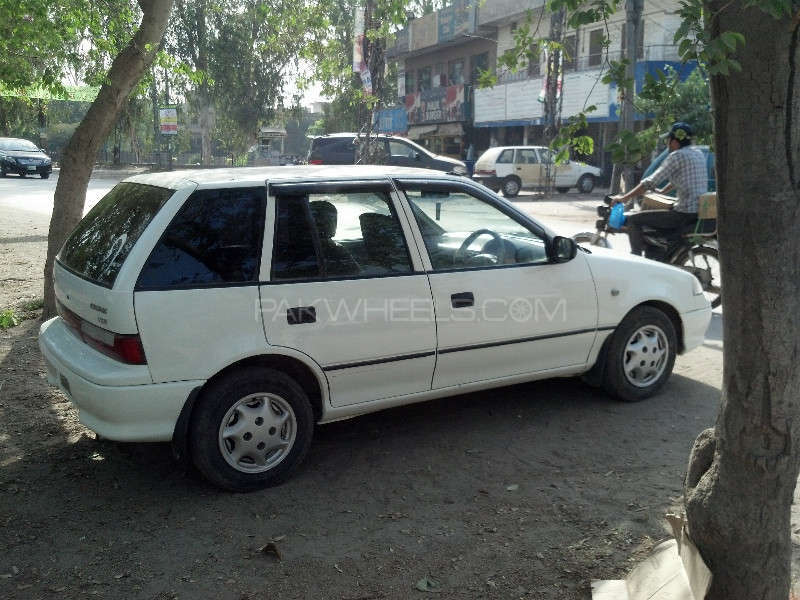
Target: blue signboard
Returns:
[[392, 120]]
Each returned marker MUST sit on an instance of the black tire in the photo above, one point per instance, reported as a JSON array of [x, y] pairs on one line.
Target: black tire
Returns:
[[585, 184], [562, 190], [511, 186], [706, 258], [45, 175], [633, 331], [2, 172], [260, 389], [22, 175]]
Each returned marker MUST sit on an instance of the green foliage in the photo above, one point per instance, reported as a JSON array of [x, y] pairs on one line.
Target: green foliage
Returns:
[[8, 319], [569, 137], [32, 305], [667, 99], [695, 42]]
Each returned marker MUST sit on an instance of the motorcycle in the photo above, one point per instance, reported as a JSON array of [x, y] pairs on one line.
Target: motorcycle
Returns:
[[693, 249]]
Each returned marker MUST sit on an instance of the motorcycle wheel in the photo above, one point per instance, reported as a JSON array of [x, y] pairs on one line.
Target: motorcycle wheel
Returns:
[[592, 239], [703, 263]]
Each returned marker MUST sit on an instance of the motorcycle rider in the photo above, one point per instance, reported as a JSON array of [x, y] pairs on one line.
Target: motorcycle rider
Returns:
[[685, 168]]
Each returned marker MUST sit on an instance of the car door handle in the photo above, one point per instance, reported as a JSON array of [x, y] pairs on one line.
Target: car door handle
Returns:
[[462, 300], [301, 314]]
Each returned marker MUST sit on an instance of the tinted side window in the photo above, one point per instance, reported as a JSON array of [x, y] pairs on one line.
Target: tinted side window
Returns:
[[349, 233], [215, 238], [294, 254], [506, 157]]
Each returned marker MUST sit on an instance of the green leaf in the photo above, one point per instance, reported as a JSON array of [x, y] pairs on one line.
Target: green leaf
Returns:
[[685, 48]]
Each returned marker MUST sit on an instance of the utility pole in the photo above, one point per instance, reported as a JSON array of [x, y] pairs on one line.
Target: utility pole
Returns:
[[633, 23], [166, 104], [374, 58]]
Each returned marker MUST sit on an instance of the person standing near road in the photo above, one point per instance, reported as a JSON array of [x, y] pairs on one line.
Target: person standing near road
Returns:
[[685, 169]]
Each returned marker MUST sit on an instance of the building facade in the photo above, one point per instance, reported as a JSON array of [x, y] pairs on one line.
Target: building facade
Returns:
[[440, 55]]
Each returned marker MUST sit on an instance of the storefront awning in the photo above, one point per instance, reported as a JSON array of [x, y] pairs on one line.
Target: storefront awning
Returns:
[[450, 130], [417, 131]]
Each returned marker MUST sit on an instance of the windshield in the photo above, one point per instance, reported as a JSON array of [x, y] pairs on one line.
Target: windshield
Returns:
[[100, 244], [22, 145], [417, 146]]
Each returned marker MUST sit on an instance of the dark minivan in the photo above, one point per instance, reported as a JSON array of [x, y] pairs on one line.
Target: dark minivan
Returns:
[[340, 149]]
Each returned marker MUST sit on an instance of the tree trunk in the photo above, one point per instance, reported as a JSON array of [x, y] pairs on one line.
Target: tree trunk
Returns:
[[79, 155], [742, 475]]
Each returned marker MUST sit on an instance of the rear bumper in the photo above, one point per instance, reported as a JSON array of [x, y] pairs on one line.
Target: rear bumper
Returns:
[[144, 412], [491, 181], [695, 324]]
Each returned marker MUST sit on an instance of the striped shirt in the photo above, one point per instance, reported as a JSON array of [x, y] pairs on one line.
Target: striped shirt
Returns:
[[686, 171]]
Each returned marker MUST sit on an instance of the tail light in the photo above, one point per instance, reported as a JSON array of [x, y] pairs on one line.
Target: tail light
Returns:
[[490, 172], [315, 161], [124, 348]]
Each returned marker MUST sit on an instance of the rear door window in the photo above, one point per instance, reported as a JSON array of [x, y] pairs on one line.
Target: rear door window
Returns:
[[215, 239], [338, 234], [102, 241]]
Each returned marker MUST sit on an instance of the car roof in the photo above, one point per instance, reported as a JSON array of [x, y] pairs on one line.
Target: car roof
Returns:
[[14, 139], [518, 148], [344, 134], [242, 176]]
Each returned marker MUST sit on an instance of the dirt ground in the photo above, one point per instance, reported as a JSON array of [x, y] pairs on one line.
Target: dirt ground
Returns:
[[528, 491]]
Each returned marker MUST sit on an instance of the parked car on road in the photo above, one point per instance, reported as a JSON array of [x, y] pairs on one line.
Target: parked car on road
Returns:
[[23, 158], [340, 149], [232, 310], [512, 168]]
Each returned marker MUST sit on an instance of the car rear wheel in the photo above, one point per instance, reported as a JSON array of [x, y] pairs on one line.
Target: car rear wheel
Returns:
[[641, 354], [585, 184], [251, 429], [45, 175], [22, 175], [511, 186], [562, 190]]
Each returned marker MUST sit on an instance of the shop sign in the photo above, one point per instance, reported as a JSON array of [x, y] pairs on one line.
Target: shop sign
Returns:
[[437, 105]]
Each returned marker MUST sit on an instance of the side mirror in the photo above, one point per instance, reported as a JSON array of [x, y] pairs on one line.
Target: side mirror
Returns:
[[417, 156], [562, 249]]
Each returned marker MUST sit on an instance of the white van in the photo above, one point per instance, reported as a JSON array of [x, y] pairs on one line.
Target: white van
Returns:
[[512, 168]]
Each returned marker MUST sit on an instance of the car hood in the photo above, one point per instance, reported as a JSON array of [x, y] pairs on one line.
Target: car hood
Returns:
[[449, 160], [24, 154]]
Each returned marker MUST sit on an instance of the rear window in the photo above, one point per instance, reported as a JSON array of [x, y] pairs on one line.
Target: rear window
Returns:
[[102, 241]]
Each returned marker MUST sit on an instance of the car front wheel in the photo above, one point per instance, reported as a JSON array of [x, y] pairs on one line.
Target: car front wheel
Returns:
[[251, 429], [641, 354]]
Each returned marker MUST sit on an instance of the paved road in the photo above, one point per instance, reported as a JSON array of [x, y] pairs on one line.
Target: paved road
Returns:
[[36, 195]]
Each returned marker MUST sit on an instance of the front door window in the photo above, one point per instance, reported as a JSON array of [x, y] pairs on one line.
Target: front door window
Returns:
[[461, 231]]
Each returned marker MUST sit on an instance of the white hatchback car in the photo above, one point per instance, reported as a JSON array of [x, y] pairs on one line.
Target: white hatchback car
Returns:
[[230, 311], [512, 168]]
